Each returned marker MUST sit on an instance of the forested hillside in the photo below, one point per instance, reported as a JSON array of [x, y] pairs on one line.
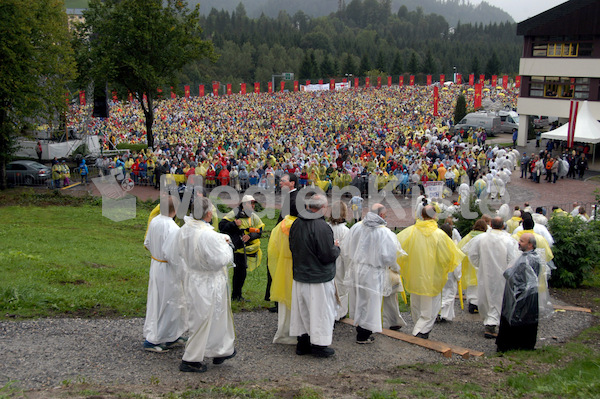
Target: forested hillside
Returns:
[[364, 35]]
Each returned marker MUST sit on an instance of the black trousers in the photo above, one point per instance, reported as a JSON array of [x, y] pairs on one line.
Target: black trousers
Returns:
[[239, 275]]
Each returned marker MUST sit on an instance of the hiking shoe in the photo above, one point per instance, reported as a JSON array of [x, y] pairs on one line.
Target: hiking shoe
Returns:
[[192, 367], [440, 319], [178, 342], [422, 335], [220, 360], [395, 328], [150, 347], [490, 332], [369, 340], [273, 309], [321, 351], [473, 309]]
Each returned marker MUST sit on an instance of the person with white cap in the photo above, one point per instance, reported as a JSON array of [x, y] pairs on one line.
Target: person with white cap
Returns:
[[244, 227]]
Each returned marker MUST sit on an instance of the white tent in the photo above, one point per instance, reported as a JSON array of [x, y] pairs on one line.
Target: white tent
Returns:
[[587, 128]]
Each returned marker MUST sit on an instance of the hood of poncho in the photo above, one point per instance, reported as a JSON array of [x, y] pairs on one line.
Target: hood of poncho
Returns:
[[374, 220], [426, 227]]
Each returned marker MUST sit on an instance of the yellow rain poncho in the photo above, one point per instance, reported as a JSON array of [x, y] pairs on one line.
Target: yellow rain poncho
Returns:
[[280, 262], [469, 273], [431, 256], [251, 247]]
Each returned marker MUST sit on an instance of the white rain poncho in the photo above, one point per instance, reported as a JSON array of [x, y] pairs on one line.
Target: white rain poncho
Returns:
[[526, 298], [339, 232], [205, 255], [165, 307], [369, 252], [491, 253]]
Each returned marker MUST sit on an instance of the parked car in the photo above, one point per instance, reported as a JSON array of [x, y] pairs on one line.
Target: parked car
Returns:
[[509, 120], [489, 122], [27, 172], [540, 122]]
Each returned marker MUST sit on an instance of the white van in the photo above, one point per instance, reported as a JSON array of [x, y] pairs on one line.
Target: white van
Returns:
[[509, 120], [489, 122]]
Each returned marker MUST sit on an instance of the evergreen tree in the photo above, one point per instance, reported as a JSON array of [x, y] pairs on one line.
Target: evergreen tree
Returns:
[[327, 69], [349, 67], [413, 65], [493, 65], [460, 110], [397, 65], [380, 63], [428, 64], [305, 68], [475, 68], [365, 65], [314, 68]]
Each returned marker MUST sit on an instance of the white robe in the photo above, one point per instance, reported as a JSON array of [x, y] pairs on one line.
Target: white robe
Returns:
[[491, 253], [205, 255], [165, 307], [339, 232], [368, 252]]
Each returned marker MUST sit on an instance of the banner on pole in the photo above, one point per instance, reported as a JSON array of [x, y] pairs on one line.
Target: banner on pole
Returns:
[[572, 122]]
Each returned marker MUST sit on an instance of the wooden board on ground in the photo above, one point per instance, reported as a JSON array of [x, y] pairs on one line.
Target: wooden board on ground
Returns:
[[426, 343], [573, 308]]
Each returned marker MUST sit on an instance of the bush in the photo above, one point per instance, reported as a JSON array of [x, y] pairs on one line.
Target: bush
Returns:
[[461, 109], [576, 250]]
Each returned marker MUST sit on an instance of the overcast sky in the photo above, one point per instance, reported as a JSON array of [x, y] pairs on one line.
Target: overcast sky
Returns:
[[520, 10]]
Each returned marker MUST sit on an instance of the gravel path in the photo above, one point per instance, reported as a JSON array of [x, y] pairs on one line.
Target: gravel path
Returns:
[[48, 353]]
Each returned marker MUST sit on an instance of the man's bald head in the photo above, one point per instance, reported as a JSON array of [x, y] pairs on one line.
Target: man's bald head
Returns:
[[497, 223]]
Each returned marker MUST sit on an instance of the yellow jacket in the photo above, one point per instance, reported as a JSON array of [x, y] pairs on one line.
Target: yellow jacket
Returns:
[[280, 262]]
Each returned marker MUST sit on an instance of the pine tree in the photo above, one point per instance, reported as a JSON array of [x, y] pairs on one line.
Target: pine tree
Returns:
[[365, 65], [461, 109], [397, 65]]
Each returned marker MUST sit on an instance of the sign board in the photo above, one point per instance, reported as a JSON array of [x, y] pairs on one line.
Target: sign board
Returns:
[[434, 189], [288, 76]]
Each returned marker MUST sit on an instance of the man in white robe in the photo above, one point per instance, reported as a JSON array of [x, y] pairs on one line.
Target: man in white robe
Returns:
[[491, 253], [369, 252], [165, 307], [205, 254]]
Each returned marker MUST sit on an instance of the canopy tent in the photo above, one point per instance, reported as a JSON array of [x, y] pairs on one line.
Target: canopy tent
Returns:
[[587, 128]]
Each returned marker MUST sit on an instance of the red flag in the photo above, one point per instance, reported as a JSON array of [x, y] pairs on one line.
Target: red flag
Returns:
[[296, 85], [428, 80], [201, 90], [481, 79], [367, 82], [215, 89], [173, 95], [458, 79], [379, 82], [114, 95], [517, 81], [243, 88], [477, 100], [442, 79], [401, 81], [572, 122], [307, 82], [389, 81], [130, 97], [505, 82], [356, 83], [436, 98], [344, 80], [186, 90], [257, 87], [270, 87], [282, 86], [320, 81], [471, 79], [82, 97], [411, 80], [332, 84], [494, 80], [228, 89]]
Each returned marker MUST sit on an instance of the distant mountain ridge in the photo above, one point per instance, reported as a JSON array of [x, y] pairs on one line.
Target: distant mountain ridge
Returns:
[[452, 10]]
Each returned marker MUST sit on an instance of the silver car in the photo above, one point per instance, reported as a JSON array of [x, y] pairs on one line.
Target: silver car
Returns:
[[27, 173]]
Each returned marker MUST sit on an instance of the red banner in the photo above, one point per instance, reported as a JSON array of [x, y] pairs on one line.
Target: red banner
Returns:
[[517, 81], [296, 85], [471, 79], [411, 80], [494, 80], [401, 81], [130, 96], [257, 87], [572, 122], [356, 83], [186, 91], [173, 95], [367, 82], [270, 87], [477, 100], [216, 89], [458, 79], [332, 84], [442, 79], [201, 90], [389, 81], [282, 86], [379, 82], [436, 98], [243, 88], [344, 80], [481, 79], [228, 89], [114, 95], [320, 81], [428, 80], [82, 97], [307, 82], [505, 82]]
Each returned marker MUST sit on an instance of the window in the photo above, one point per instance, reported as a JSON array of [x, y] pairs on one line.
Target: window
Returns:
[[559, 87], [562, 46]]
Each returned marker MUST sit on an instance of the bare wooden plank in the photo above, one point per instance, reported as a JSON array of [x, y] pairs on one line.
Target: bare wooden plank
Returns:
[[572, 308]]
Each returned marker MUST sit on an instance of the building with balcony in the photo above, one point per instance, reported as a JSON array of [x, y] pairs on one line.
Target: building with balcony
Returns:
[[560, 62]]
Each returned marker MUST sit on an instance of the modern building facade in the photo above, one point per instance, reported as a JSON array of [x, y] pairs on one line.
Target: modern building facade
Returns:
[[560, 61]]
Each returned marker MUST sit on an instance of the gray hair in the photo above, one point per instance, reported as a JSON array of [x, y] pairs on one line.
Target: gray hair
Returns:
[[202, 206]]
